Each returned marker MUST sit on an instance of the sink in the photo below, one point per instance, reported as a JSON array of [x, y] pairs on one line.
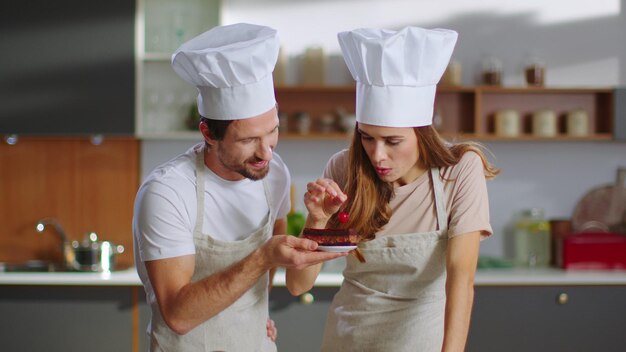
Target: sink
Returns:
[[40, 266]]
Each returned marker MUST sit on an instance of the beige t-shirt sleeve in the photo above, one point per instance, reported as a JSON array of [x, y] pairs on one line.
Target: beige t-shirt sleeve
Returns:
[[413, 206], [467, 200]]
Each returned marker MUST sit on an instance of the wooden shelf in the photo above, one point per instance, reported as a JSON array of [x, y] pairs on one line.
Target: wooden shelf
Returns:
[[467, 112], [530, 138]]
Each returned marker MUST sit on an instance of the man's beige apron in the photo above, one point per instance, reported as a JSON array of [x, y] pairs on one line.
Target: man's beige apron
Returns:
[[241, 326], [396, 300]]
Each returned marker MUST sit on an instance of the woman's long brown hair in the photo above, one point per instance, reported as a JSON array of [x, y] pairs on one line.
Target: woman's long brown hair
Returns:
[[369, 196]]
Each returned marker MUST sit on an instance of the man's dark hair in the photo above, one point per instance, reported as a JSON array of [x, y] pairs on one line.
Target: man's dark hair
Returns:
[[217, 128]]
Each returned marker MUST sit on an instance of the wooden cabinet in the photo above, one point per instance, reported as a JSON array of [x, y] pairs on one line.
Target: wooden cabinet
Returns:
[[567, 318], [87, 185]]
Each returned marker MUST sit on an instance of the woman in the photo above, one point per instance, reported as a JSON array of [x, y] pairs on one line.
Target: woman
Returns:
[[419, 204]]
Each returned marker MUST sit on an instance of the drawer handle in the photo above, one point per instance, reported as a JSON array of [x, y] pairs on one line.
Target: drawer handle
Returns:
[[562, 298], [307, 298]]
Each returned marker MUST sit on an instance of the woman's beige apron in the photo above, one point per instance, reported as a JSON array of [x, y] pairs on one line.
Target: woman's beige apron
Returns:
[[396, 300], [241, 326]]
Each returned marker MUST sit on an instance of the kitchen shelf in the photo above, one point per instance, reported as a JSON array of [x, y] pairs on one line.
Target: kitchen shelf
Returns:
[[467, 112], [596, 102]]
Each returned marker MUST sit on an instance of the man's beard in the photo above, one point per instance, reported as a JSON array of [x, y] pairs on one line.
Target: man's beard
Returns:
[[243, 168], [254, 175]]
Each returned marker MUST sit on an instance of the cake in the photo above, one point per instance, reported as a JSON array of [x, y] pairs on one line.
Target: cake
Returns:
[[331, 237]]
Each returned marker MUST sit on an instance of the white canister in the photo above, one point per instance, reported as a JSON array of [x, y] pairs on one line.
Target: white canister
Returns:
[[577, 123], [544, 123], [508, 123]]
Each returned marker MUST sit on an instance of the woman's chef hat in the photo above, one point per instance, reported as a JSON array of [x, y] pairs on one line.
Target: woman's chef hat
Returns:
[[232, 68], [396, 72]]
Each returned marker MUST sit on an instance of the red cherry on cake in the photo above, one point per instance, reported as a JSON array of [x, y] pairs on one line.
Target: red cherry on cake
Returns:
[[343, 217]]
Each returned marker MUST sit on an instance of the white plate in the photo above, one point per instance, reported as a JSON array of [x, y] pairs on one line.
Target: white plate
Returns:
[[335, 248]]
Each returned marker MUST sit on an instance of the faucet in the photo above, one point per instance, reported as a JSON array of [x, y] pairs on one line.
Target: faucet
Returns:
[[68, 254]]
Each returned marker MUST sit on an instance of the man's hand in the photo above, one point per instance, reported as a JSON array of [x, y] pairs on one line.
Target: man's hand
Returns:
[[292, 252]]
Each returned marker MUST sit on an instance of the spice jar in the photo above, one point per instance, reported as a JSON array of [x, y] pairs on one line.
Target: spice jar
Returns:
[[327, 123], [534, 71], [492, 72]]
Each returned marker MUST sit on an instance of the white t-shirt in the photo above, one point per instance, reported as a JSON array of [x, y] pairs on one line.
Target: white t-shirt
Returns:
[[166, 205]]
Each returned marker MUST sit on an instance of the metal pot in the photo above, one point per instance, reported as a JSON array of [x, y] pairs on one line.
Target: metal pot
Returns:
[[92, 255]]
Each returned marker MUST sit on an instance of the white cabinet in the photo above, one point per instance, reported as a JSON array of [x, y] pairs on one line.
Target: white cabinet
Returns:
[[163, 100]]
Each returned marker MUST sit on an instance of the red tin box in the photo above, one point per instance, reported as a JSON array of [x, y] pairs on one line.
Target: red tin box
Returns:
[[593, 250]]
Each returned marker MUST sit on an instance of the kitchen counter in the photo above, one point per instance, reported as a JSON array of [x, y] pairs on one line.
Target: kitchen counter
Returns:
[[127, 277], [508, 277], [484, 277]]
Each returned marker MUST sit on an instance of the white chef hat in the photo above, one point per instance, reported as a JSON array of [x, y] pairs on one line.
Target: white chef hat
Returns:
[[396, 72], [232, 68]]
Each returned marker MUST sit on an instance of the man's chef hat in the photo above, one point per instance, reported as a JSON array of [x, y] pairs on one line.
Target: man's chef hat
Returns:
[[232, 68], [396, 72]]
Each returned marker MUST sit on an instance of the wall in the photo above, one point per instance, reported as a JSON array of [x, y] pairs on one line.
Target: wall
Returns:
[[580, 41]]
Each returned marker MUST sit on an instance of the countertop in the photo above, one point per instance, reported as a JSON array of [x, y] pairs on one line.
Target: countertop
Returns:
[[484, 277]]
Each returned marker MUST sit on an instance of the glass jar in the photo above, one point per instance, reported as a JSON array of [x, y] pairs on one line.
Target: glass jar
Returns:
[[532, 239], [534, 72], [453, 74], [302, 122], [492, 72]]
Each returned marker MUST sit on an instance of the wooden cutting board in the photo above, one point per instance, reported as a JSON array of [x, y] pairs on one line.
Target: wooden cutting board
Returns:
[[603, 208]]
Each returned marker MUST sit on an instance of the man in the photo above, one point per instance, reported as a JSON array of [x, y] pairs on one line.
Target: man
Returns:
[[208, 225]]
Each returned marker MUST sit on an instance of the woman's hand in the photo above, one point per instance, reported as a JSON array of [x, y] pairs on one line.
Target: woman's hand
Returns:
[[272, 333], [322, 199]]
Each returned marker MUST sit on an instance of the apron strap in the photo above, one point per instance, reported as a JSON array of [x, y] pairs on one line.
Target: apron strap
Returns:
[[200, 190], [440, 203]]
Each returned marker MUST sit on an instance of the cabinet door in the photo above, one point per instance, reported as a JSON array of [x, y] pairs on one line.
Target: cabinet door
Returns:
[[65, 319], [85, 187], [300, 322], [145, 315], [548, 319]]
